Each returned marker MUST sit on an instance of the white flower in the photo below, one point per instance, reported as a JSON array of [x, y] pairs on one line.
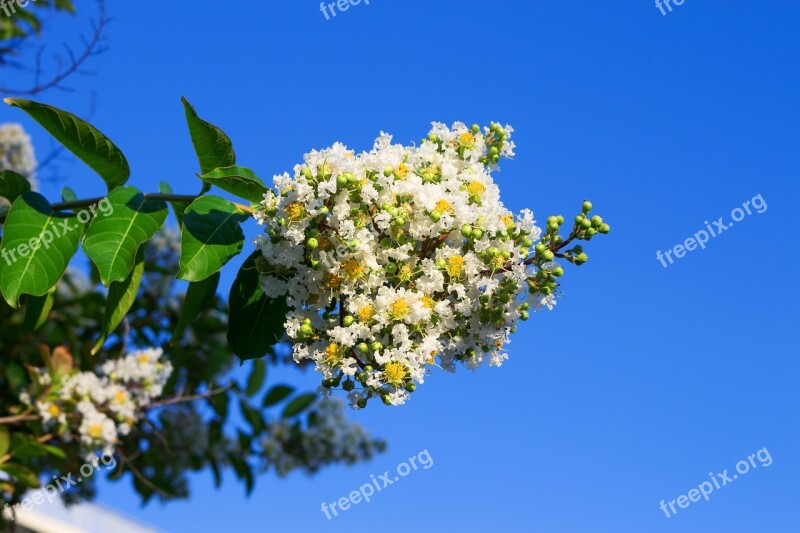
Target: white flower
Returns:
[[16, 152], [394, 258]]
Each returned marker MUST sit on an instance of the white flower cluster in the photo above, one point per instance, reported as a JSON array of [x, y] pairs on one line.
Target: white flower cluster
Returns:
[[328, 438], [16, 151], [103, 406], [394, 258]]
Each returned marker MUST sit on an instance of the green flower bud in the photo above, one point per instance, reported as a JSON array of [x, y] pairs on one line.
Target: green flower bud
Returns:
[[312, 243], [348, 385], [590, 232], [411, 387], [386, 243], [348, 320], [466, 231], [341, 180], [324, 211], [581, 258], [560, 219], [306, 329], [540, 248], [361, 403], [306, 172], [435, 215], [604, 228], [391, 268], [386, 399], [475, 129], [557, 272], [586, 223], [524, 315], [477, 233], [526, 242], [326, 383], [597, 221], [376, 346], [587, 206], [548, 255], [388, 171], [399, 222]]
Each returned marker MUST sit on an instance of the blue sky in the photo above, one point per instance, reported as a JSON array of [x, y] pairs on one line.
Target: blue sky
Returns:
[[644, 379]]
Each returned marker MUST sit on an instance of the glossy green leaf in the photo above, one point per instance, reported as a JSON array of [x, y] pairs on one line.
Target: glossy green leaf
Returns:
[[121, 295], [115, 234], [5, 440], [214, 149], [239, 181], [21, 474], [13, 185], [210, 237], [256, 379], [299, 404], [37, 246], [80, 138], [255, 321], [199, 296], [277, 394], [68, 195], [37, 309]]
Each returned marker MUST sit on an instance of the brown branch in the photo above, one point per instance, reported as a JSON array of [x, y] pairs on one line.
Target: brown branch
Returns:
[[91, 48], [190, 398]]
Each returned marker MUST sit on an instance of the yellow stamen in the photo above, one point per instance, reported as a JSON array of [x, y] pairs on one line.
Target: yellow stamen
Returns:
[[467, 140], [443, 206], [428, 302], [508, 220], [353, 269], [54, 410], [400, 309], [121, 397], [333, 354], [395, 373], [366, 313], [401, 171], [295, 211], [476, 188], [95, 431], [455, 266]]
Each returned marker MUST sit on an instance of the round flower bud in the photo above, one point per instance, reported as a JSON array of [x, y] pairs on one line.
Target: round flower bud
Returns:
[[587, 206], [466, 231], [348, 320], [312, 243]]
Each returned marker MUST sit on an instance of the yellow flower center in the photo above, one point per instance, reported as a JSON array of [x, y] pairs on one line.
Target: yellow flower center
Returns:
[[466, 140], [428, 302], [401, 171], [331, 282], [455, 266], [121, 397], [476, 188], [498, 261], [366, 313], [443, 206], [143, 359], [295, 211], [54, 410], [432, 359], [353, 269], [333, 354], [405, 273], [95, 431], [400, 309], [395, 373], [508, 220]]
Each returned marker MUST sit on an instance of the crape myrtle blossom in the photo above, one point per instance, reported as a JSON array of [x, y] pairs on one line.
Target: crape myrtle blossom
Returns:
[[99, 407], [402, 258], [16, 151]]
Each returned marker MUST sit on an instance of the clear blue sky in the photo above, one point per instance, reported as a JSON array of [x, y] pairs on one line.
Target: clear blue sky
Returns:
[[644, 379]]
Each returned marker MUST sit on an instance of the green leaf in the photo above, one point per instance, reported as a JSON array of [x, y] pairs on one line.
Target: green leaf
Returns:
[[277, 394], [32, 223], [121, 295], [115, 236], [214, 149], [80, 138], [240, 181], [253, 417], [21, 474], [68, 195], [255, 321], [210, 237], [25, 447], [299, 404], [257, 377], [199, 296], [13, 185], [37, 308], [5, 440]]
